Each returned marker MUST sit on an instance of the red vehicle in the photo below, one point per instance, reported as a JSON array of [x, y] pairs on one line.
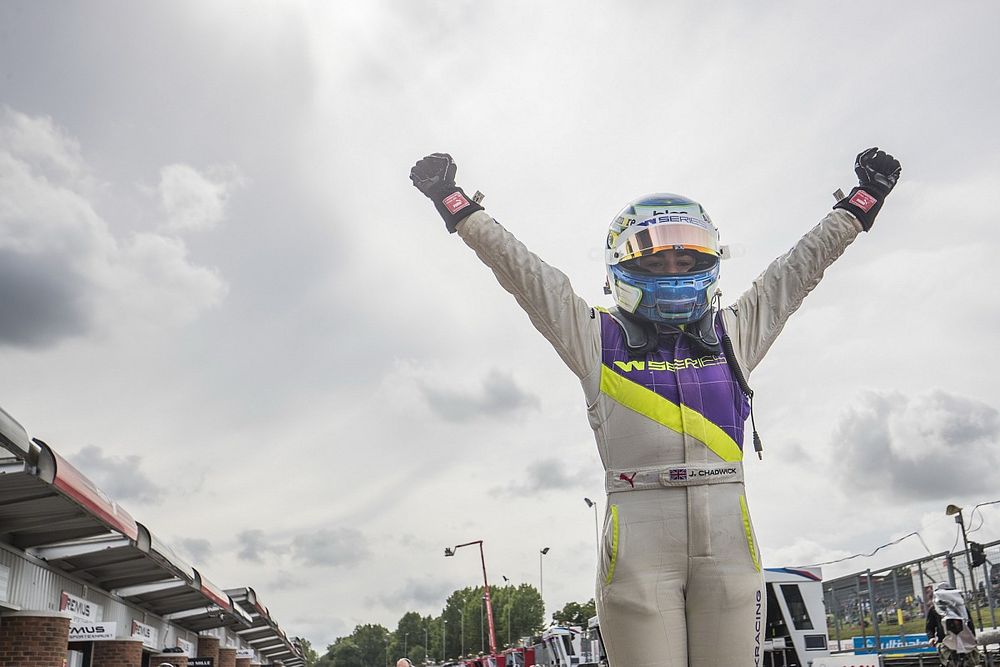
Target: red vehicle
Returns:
[[486, 661], [521, 656]]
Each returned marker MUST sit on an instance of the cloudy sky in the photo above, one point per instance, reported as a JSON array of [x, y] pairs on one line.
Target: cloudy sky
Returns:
[[223, 300]]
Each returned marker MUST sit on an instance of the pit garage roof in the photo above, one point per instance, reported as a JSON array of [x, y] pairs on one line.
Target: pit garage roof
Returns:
[[51, 511], [264, 634]]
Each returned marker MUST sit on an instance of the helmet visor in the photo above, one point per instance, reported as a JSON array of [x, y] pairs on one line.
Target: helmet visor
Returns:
[[646, 239], [671, 262]]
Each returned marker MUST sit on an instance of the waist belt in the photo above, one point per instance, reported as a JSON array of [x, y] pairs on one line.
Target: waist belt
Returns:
[[682, 474]]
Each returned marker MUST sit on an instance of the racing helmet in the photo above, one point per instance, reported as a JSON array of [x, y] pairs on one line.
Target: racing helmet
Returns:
[[652, 224]]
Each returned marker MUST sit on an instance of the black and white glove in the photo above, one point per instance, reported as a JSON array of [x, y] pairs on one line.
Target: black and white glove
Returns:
[[877, 175], [434, 176]]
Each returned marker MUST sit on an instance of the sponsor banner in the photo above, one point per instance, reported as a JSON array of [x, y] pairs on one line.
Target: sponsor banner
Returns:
[[245, 653], [83, 631], [149, 635], [896, 644], [186, 646], [201, 662], [82, 610], [846, 661]]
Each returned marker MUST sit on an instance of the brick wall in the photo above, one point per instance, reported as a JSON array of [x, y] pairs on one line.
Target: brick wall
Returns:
[[39, 641], [208, 647], [172, 659], [243, 662], [127, 653], [227, 657]]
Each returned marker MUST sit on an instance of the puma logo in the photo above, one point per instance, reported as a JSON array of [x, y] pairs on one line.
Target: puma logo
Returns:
[[626, 478]]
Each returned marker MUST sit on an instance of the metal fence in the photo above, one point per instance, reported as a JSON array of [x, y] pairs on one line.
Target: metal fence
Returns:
[[893, 601]]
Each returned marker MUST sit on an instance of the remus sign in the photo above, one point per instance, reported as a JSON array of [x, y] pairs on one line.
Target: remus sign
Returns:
[[82, 610], [149, 635]]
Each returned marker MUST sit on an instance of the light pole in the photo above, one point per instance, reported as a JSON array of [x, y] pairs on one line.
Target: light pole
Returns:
[[507, 581], [509, 605], [387, 651], [956, 511], [597, 533], [405, 637], [486, 589], [427, 645], [461, 614], [444, 638], [541, 580]]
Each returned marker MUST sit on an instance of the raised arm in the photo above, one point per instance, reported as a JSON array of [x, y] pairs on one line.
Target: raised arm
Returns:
[[545, 293], [759, 315]]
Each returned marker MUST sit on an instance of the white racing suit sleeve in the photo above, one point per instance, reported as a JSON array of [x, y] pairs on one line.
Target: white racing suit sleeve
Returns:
[[545, 294], [759, 315]]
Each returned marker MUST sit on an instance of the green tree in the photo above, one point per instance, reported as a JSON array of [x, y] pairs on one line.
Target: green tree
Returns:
[[433, 629], [345, 653], [517, 612], [527, 611], [465, 602], [575, 613], [409, 633], [371, 641], [418, 654]]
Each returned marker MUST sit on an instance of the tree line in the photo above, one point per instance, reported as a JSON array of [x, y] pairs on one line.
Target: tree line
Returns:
[[462, 628]]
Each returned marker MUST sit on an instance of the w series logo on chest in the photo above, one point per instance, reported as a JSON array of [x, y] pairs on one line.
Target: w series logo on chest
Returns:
[[676, 365]]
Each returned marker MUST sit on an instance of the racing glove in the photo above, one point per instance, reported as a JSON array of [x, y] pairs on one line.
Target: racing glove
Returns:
[[877, 175], [434, 176]]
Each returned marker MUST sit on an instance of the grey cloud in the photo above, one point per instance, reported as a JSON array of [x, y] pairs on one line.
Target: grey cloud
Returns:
[[197, 548], [40, 301], [544, 475], [287, 581], [62, 270], [330, 547], [418, 594], [118, 476], [254, 544], [326, 548], [500, 396], [925, 447]]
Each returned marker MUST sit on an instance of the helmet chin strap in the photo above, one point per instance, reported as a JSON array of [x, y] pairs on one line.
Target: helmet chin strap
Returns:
[[642, 336], [701, 331]]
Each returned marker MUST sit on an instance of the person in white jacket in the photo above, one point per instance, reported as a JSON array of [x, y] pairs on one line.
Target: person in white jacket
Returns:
[[950, 628], [663, 374]]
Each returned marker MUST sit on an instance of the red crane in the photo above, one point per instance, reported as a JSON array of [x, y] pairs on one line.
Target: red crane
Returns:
[[486, 590]]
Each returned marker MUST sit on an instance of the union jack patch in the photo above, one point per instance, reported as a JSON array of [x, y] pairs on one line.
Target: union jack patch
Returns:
[[678, 474]]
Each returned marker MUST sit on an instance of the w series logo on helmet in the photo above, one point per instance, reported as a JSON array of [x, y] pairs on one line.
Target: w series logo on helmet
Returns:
[[674, 217]]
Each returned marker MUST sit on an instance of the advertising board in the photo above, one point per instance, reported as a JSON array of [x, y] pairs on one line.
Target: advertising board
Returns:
[[84, 631], [149, 635], [895, 643], [82, 610]]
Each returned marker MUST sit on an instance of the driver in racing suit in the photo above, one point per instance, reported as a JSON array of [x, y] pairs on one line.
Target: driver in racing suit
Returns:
[[680, 579]]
